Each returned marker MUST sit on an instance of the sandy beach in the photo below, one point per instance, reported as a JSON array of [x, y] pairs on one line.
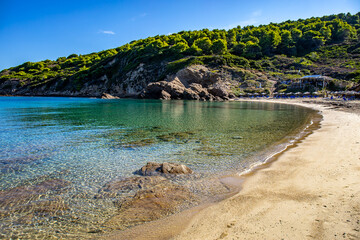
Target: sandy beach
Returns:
[[311, 191]]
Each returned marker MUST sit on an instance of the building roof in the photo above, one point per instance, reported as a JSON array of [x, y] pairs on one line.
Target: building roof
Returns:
[[317, 77], [312, 76]]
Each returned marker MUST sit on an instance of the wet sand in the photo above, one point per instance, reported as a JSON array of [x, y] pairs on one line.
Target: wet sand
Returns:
[[311, 191]]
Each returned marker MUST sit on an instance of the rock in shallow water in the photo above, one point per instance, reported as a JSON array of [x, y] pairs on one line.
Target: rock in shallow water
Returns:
[[31, 198], [116, 188], [147, 198], [151, 204], [152, 168]]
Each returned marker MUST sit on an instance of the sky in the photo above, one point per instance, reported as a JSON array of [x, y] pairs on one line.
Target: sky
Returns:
[[37, 30]]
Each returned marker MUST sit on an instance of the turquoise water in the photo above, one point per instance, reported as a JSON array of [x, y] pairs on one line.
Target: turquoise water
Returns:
[[90, 142]]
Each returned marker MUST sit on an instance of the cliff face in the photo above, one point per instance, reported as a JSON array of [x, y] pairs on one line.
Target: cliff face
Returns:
[[112, 81], [195, 82]]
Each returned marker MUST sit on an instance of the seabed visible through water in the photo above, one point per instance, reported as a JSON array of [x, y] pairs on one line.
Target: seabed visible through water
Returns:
[[56, 154]]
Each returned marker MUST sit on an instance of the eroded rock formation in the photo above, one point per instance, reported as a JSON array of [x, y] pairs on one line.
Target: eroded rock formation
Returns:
[[193, 83]]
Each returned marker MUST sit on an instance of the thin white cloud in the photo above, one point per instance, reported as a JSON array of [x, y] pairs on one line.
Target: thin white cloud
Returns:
[[138, 16], [107, 32], [257, 13], [251, 21]]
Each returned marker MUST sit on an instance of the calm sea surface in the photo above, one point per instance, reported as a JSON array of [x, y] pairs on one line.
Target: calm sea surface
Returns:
[[90, 142]]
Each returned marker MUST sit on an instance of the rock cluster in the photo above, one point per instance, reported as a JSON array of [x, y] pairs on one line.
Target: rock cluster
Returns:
[[150, 204], [146, 198], [152, 168], [195, 82], [192, 83]]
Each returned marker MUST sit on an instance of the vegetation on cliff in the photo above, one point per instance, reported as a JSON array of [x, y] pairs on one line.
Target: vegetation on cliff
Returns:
[[322, 45]]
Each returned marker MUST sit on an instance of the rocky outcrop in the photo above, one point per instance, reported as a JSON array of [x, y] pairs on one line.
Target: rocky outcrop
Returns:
[[195, 82], [192, 83], [108, 96], [152, 168]]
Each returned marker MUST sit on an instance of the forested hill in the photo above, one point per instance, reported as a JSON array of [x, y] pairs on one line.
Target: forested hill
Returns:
[[243, 56]]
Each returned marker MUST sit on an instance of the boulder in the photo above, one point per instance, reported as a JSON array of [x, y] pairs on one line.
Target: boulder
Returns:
[[152, 90], [202, 92], [190, 95], [219, 99], [193, 83], [219, 91], [165, 95], [174, 168], [152, 168], [198, 74], [164, 90], [108, 96], [231, 95]]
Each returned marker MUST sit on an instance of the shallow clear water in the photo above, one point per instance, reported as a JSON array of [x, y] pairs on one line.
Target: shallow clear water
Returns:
[[91, 141]]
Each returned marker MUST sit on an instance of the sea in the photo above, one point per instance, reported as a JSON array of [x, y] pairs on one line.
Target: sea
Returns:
[[87, 143]]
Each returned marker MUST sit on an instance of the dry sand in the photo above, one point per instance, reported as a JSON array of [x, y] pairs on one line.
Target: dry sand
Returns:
[[311, 191]]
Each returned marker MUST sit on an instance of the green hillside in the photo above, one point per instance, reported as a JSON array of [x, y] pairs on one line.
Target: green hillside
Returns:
[[323, 45]]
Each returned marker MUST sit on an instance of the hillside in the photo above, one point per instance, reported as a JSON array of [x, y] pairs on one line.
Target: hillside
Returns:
[[202, 64]]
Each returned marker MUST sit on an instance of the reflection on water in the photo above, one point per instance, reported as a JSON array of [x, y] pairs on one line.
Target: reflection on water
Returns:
[[88, 142]]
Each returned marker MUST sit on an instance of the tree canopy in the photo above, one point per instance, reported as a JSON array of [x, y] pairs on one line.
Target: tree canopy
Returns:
[[291, 38]]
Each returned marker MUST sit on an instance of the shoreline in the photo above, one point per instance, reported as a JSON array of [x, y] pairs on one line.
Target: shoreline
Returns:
[[178, 225], [170, 227], [296, 196]]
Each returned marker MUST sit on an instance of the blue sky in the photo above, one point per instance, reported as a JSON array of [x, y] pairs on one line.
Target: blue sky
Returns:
[[38, 30]]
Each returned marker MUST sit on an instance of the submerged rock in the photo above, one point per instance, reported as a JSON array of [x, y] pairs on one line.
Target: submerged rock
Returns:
[[209, 151], [166, 138], [17, 164], [146, 198], [49, 207], [178, 137], [152, 168], [151, 204], [138, 143], [237, 137], [31, 199], [116, 188]]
